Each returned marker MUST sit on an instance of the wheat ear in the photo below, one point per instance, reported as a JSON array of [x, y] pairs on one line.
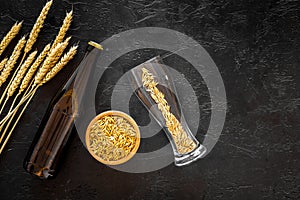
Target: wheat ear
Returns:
[[10, 36], [18, 78], [12, 60], [63, 30], [23, 69], [26, 81], [31, 40], [2, 63], [37, 27], [63, 61], [50, 61]]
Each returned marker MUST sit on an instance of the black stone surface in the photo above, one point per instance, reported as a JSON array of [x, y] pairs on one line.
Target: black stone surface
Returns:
[[256, 46]]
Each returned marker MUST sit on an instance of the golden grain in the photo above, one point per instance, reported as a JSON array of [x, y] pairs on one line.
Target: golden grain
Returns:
[[112, 138], [10, 36], [33, 68], [2, 63], [183, 143], [50, 61], [12, 60], [64, 28], [64, 60], [37, 27], [20, 74]]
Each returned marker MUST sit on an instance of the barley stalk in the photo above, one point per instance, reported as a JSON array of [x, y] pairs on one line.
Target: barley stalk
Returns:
[[33, 68], [10, 36], [23, 69], [63, 30], [2, 63], [12, 60], [64, 60], [37, 27], [50, 61]]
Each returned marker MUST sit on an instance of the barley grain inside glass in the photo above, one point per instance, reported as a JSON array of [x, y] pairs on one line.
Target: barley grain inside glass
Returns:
[[154, 87]]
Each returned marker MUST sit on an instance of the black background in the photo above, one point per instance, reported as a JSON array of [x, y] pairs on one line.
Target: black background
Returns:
[[256, 46]]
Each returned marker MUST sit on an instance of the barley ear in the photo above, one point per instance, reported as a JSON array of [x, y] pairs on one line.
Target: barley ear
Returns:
[[37, 27], [63, 61], [12, 60], [26, 81], [64, 28], [10, 36], [20, 74]]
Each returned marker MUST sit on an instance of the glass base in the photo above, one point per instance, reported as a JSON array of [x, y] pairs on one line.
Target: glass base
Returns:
[[181, 160]]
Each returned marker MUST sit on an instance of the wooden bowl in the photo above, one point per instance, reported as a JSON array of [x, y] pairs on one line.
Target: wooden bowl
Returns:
[[119, 114]]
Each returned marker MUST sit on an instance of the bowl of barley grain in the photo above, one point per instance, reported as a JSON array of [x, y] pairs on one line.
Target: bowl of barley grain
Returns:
[[112, 137]]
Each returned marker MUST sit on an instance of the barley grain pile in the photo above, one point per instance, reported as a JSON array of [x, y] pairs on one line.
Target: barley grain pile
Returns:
[[112, 138]]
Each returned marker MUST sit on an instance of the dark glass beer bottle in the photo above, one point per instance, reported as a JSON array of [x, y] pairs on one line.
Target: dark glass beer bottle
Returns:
[[50, 140]]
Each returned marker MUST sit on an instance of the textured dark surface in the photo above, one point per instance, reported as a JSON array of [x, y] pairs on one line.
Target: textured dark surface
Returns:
[[256, 46]]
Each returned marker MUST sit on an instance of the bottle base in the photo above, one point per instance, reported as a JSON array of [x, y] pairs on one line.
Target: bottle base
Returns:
[[190, 157]]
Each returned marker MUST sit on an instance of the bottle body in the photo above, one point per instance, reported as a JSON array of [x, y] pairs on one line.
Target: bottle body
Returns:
[[51, 138]]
